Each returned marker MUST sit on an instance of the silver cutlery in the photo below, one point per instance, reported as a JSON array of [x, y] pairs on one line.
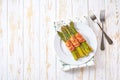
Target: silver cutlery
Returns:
[[102, 19], [94, 19]]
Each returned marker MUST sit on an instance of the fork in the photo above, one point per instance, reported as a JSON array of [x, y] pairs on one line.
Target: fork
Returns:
[[102, 19], [94, 19]]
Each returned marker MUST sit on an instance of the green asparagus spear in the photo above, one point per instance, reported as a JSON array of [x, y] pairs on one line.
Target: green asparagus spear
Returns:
[[61, 36], [72, 27]]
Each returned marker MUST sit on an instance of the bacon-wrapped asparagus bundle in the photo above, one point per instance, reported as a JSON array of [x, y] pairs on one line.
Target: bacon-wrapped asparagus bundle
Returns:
[[74, 41], [84, 45], [69, 45]]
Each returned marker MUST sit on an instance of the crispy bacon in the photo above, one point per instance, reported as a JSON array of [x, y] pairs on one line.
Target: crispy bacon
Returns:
[[69, 45], [74, 41], [79, 37]]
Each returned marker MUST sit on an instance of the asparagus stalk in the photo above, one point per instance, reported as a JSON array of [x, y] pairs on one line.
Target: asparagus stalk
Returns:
[[74, 52], [74, 41], [81, 39], [68, 38], [84, 45], [61, 36], [74, 32]]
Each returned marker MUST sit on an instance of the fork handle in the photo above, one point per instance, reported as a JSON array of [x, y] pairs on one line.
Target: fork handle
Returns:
[[106, 36], [102, 40]]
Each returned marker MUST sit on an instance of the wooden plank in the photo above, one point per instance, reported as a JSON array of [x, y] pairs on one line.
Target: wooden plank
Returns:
[[3, 40], [118, 50], [112, 55], [42, 41], [48, 59], [64, 12], [64, 9], [98, 73], [27, 34], [31, 40], [80, 9], [15, 40]]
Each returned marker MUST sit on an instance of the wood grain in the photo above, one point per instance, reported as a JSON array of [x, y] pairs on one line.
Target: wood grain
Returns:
[[27, 38], [3, 40], [31, 40], [15, 40], [112, 54], [42, 41], [47, 54]]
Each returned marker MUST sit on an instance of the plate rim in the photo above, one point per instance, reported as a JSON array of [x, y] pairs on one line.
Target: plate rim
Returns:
[[56, 35]]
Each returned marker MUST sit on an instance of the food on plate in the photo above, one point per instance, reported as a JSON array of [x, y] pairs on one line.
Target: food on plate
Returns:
[[84, 45], [77, 35], [69, 45], [74, 41]]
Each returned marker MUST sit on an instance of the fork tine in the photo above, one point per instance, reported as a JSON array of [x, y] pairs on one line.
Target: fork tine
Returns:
[[92, 15]]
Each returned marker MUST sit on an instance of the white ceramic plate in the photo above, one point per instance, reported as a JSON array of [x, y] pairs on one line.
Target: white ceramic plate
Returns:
[[65, 55]]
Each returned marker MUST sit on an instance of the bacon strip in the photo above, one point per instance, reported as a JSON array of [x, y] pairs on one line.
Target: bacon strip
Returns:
[[79, 37], [74, 41], [69, 45]]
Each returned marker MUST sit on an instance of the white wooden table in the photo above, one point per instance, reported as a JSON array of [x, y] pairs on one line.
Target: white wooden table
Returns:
[[26, 29]]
